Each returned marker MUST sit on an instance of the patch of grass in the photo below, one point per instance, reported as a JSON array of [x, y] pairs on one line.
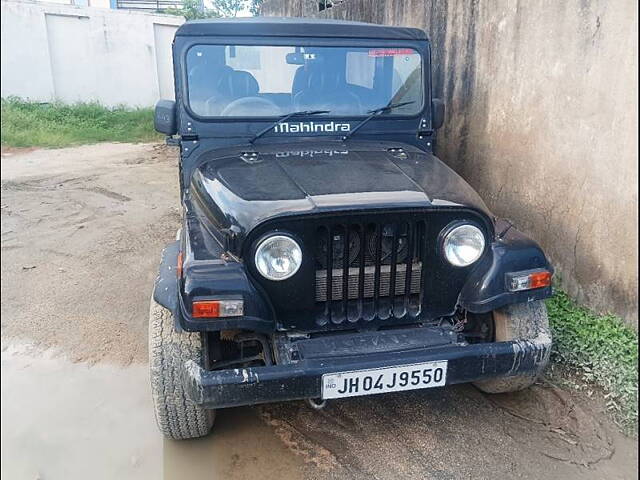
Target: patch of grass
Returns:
[[602, 350], [32, 124]]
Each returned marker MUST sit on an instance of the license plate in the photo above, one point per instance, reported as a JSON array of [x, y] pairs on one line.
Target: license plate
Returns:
[[382, 380]]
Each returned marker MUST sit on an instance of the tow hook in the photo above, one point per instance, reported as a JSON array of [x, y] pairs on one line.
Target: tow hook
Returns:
[[316, 403]]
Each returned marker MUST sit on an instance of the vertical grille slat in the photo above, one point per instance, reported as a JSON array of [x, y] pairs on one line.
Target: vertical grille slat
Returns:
[[345, 271], [411, 232], [394, 259], [365, 239], [329, 270], [376, 279], [369, 271], [416, 307]]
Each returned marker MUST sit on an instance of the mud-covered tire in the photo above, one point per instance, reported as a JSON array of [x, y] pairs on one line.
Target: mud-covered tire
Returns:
[[177, 416], [522, 321]]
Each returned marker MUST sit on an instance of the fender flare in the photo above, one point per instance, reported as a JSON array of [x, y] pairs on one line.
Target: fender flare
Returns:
[[486, 290], [165, 289]]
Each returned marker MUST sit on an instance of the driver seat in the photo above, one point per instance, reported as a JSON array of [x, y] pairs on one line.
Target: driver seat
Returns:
[[204, 84], [232, 86], [326, 92], [243, 84]]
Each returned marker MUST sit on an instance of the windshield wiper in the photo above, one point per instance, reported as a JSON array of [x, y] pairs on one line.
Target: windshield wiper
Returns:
[[374, 113], [284, 118]]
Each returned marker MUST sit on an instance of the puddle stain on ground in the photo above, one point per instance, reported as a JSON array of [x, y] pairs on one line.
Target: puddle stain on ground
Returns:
[[73, 421], [62, 420], [241, 446]]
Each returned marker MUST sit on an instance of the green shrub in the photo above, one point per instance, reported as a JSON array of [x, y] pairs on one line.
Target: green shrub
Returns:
[[604, 352], [32, 124]]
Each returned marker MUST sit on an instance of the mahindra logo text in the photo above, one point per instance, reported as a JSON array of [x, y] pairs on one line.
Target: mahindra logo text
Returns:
[[312, 127], [311, 153]]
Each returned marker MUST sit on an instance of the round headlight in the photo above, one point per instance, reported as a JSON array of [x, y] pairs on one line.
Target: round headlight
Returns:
[[463, 245], [278, 257]]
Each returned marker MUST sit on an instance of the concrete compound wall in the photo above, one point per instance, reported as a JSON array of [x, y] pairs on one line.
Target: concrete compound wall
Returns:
[[63, 52], [86, 3], [541, 101]]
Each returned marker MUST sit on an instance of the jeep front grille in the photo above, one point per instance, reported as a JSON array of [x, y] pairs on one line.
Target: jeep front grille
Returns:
[[368, 271], [369, 282]]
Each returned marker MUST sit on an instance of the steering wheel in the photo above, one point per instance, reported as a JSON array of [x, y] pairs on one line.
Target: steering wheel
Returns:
[[251, 107]]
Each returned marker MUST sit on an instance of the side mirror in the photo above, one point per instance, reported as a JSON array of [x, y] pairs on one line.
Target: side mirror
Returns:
[[437, 113], [164, 119]]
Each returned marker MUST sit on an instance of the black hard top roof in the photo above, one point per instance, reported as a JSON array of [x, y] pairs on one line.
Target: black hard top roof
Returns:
[[296, 27]]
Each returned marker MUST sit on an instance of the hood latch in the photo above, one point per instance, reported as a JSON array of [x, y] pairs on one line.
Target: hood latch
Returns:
[[250, 157], [398, 152]]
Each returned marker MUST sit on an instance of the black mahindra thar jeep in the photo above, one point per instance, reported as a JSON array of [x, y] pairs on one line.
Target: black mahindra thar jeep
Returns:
[[325, 251]]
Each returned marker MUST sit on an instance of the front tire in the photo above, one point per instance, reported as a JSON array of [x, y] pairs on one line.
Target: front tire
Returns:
[[177, 416], [522, 321]]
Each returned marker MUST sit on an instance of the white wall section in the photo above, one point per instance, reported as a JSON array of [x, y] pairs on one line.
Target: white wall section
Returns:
[[163, 36], [61, 52]]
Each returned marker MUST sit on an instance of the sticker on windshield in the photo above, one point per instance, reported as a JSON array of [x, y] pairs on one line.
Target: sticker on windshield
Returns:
[[390, 52]]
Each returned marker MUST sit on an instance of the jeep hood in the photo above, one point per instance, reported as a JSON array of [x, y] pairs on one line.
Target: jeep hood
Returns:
[[239, 190]]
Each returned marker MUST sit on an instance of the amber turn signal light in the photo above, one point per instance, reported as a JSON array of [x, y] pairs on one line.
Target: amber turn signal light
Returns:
[[528, 280], [217, 308], [540, 279], [179, 265]]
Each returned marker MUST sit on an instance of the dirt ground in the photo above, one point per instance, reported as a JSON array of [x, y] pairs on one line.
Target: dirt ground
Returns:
[[82, 231]]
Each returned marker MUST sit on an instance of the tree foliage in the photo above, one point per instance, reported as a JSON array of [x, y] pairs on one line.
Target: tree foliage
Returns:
[[228, 8], [191, 10], [196, 9], [254, 7]]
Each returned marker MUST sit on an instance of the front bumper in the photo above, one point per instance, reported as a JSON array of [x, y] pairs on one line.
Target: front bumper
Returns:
[[301, 379]]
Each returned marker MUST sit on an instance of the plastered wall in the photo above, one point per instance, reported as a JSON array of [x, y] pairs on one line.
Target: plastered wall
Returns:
[[541, 101], [69, 53]]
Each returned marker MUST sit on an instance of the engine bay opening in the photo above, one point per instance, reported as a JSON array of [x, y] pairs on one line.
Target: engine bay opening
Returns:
[[474, 327], [236, 349]]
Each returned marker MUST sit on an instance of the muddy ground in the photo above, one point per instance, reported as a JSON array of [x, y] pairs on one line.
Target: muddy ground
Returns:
[[82, 232]]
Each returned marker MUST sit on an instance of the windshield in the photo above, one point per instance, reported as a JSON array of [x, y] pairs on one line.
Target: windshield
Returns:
[[270, 81]]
